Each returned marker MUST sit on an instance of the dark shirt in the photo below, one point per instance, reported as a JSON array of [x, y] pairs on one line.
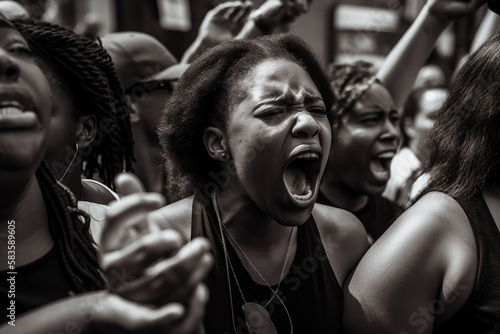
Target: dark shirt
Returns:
[[376, 216], [36, 284], [481, 312], [310, 291]]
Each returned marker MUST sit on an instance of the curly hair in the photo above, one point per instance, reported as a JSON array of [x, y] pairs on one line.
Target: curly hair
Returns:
[[205, 94], [84, 70], [73, 242], [466, 136], [349, 83]]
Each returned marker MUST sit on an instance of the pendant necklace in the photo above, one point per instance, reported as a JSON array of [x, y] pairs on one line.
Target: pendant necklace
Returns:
[[257, 317]]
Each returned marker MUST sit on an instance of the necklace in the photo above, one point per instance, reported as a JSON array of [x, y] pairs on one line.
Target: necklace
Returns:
[[251, 309]]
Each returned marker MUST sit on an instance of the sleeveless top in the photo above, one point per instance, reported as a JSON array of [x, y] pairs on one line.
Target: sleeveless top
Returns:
[[376, 216], [35, 284], [481, 312], [310, 290]]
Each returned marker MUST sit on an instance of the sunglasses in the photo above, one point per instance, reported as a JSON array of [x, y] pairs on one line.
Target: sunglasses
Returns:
[[152, 85]]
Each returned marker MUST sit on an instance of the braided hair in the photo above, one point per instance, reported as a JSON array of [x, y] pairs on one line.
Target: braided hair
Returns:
[[349, 83], [73, 242], [84, 70]]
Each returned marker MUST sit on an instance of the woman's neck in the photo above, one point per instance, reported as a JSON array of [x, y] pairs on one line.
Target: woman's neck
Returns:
[[252, 228], [263, 245], [26, 214]]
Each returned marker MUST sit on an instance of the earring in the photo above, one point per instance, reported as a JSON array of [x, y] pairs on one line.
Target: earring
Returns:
[[69, 166], [224, 156]]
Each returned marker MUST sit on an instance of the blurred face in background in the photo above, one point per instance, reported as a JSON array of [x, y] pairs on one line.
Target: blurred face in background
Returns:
[[418, 128], [366, 143]]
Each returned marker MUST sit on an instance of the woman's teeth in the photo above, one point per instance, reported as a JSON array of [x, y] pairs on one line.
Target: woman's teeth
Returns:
[[10, 111]]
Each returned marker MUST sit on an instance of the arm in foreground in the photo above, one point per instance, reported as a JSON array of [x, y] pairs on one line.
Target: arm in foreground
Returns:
[[417, 275]]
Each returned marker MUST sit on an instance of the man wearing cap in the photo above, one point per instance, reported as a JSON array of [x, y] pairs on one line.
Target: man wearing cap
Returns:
[[147, 71]]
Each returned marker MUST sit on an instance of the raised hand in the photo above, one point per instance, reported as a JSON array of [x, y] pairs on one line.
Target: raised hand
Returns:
[[224, 22]]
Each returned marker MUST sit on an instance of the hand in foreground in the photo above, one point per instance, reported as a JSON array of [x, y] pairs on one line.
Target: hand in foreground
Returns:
[[143, 263]]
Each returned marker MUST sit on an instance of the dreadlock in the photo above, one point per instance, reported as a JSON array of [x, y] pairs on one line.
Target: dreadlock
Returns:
[[74, 244], [85, 71], [349, 83]]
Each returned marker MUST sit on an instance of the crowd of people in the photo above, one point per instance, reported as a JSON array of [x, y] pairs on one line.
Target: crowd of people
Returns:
[[247, 188]]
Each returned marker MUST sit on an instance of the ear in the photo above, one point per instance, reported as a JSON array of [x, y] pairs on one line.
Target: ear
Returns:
[[86, 130], [216, 143], [408, 127], [134, 110]]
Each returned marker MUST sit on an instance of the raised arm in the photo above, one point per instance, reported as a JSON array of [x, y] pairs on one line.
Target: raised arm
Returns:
[[417, 275], [488, 27], [271, 15], [400, 68], [220, 24]]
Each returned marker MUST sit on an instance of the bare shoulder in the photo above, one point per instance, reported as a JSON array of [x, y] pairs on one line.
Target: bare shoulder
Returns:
[[176, 215], [343, 237], [427, 254]]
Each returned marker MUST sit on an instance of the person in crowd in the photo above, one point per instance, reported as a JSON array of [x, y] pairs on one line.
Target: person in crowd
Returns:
[[436, 270], [248, 129], [90, 120], [148, 72], [419, 112], [368, 135], [366, 141], [47, 253]]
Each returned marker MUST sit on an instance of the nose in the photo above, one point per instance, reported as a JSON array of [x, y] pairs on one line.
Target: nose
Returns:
[[391, 131], [9, 70], [305, 125]]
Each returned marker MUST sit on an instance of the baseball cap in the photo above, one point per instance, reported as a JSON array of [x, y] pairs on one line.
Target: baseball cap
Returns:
[[171, 73], [136, 56]]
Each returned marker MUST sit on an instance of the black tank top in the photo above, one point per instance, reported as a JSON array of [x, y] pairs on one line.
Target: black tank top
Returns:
[[310, 290], [35, 284], [481, 312]]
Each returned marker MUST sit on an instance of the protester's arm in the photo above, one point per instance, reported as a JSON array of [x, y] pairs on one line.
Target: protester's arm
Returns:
[[103, 312], [220, 24], [271, 15], [401, 66], [417, 275], [488, 27]]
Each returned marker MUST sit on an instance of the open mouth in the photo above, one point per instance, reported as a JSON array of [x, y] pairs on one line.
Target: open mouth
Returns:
[[301, 175], [381, 163], [13, 116]]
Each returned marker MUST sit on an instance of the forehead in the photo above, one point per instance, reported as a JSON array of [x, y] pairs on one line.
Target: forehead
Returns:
[[377, 97], [276, 76]]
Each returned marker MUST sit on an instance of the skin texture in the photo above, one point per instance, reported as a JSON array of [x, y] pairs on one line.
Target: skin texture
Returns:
[[22, 139], [283, 113], [370, 128]]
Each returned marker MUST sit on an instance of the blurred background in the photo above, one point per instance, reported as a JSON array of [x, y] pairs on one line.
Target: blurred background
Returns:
[[339, 30]]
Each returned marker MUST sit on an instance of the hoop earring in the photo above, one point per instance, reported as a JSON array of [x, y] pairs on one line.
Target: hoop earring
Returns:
[[71, 163]]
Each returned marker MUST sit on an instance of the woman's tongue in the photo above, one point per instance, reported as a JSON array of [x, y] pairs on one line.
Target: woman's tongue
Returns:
[[296, 180]]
